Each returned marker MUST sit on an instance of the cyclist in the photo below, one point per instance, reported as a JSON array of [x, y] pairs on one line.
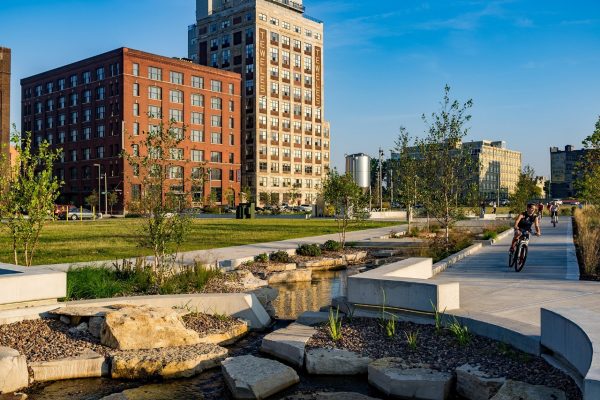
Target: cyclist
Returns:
[[540, 209], [554, 212], [524, 222]]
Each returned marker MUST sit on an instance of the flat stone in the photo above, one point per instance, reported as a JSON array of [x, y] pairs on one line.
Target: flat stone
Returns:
[[87, 365], [13, 370], [390, 376], [145, 328], [13, 396], [65, 320], [168, 363], [249, 281], [288, 344], [312, 318], [249, 377], [323, 263], [355, 257], [82, 327], [159, 391], [75, 311], [385, 253], [297, 275], [95, 326], [512, 390], [278, 267], [231, 335], [474, 384], [336, 362], [330, 396]]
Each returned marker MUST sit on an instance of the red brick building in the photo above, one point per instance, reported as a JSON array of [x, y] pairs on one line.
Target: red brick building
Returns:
[[95, 108]]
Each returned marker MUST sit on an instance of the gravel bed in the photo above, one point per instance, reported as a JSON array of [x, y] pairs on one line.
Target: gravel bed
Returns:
[[206, 324], [47, 339], [225, 283], [442, 352]]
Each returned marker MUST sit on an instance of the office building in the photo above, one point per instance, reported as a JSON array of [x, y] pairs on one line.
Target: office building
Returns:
[[97, 108], [4, 101], [278, 50], [564, 172]]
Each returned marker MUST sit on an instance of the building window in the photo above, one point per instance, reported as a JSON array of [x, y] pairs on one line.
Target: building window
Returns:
[[72, 79], [136, 128], [175, 172], [99, 73], [135, 69], [155, 73], [216, 103], [176, 154], [215, 86], [87, 115], [216, 156], [87, 133], [100, 93], [197, 136], [215, 120], [216, 138], [136, 109], [154, 112], [198, 82], [176, 96], [176, 115], [100, 111], [176, 78], [154, 92], [100, 130], [136, 89], [61, 84], [87, 96], [100, 152], [197, 99], [197, 118], [197, 155]]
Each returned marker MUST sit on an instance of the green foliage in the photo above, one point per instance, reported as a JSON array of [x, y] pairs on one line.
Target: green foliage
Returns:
[[588, 181], [411, 339], [28, 191], [489, 234], [525, 191], [262, 257], [94, 283], [406, 174], [309, 250], [438, 318], [112, 199], [347, 199], [92, 200], [332, 245], [280, 257], [390, 326], [335, 325], [461, 332]]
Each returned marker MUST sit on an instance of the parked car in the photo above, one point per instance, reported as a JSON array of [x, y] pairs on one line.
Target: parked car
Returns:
[[305, 208], [570, 202], [79, 213], [504, 202]]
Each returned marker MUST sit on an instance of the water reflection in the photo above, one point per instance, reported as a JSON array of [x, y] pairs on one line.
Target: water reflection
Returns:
[[295, 298]]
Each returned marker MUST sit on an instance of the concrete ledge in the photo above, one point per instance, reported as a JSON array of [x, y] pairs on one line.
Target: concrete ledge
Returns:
[[574, 334], [22, 285], [370, 287], [456, 257], [572, 263]]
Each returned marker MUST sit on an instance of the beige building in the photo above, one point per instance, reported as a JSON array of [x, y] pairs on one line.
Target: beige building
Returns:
[[278, 50], [499, 168], [4, 101]]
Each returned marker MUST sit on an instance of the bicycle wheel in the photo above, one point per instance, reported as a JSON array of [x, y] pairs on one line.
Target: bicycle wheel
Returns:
[[521, 258]]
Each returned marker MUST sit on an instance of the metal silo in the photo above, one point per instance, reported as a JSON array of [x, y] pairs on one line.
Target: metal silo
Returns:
[[359, 166]]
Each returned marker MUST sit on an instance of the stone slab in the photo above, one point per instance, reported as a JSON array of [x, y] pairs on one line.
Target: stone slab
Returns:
[[13, 370], [474, 384], [288, 344], [250, 377], [512, 390], [335, 362], [312, 318], [279, 267], [87, 365], [229, 336], [296, 275], [31, 284]]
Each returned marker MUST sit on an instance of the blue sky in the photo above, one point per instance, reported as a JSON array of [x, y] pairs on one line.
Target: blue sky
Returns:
[[531, 67]]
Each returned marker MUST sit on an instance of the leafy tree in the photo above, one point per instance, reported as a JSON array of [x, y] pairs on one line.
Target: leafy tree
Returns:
[[446, 166], [406, 176], [525, 191], [246, 194], [113, 199], [269, 198], [28, 191], [347, 199], [92, 199], [294, 193], [588, 183], [164, 228]]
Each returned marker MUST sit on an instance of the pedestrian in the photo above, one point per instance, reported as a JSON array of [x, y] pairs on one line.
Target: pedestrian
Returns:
[[494, 208], [482, 209]]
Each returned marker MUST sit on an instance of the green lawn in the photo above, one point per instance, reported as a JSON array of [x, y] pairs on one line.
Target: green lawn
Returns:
[[110, 239]]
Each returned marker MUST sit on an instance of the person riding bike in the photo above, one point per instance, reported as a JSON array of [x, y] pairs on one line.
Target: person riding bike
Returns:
[[524, 222], [554, 211], [540, 210]]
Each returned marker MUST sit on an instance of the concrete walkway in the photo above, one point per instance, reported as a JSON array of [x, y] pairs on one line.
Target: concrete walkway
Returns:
[[490, 291]]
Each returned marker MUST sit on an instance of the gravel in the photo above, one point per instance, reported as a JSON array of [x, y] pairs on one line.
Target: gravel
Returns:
[[206, 324], [442, 352]]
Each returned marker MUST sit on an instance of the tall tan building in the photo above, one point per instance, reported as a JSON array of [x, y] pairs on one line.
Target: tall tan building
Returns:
[[279, 52], [4, 100]]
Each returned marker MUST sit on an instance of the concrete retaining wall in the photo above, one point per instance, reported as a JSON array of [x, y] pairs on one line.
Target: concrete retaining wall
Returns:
[[24, 285], [399, 215]]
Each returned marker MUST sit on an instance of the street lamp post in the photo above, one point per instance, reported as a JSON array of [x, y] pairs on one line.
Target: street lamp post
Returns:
[[105, 195], [99, 187]]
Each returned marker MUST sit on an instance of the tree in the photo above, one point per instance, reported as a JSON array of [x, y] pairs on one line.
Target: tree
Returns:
[[294, 193], [158, 162], [406, 176], [113, 199], [28, 191], [92, 199], [246, 194], [588, 182], [347, 199], [447, 169], [525, 191]]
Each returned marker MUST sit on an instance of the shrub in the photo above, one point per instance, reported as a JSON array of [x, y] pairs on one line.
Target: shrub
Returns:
[[262, 257], [94, 283], [489, 234], [280, 257], [461, 332], [309, 250], [212, 210], [587, 223], [411, 339], [332, 245]]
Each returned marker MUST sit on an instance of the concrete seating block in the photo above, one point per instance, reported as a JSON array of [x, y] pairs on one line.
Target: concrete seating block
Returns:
[[22, 285]]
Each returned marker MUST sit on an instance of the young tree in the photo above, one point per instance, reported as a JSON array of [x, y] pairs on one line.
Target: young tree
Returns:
[[588, 183], [294, 193], [348, 200], [445, 164], [27, 194], [525, 191], [92, 200], [158, 162], [406, 174], [246, 194], [113, 199]]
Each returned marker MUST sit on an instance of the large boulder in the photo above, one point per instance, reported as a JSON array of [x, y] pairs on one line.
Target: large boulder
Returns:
[[248, 280], [473, 384], [288, 344], [296, 275], [249, 377], [336, 362], [13, 370], [145, 327], [512, 390], [170, 362], [391, 377], [88, 364]]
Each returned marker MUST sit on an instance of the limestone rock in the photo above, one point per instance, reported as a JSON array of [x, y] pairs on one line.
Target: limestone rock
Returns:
[[145, 328], [87, 365], [13, 370], [474, 384], [160, 391], [335, 362], [330, 396], [390, 376], [512, 390], [170, 362], [288, 343], [249, 377], [355, 257], [297, 275], [13, 396], [323, 263], [249, 281], [65, 320], [312, 318], [82, 327], [265, 296], [95, 326], [278, 267], [231, 335]]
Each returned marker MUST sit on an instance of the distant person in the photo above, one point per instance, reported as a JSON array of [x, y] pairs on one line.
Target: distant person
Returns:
[[482, 209], [494, 208], [554, 211], [540, 210], [524, 222]]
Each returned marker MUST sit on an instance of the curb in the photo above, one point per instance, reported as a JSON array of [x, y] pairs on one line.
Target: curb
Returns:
[[572, 263]]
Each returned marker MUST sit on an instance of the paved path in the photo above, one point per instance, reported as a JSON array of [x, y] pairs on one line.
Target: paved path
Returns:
[[490, 289]]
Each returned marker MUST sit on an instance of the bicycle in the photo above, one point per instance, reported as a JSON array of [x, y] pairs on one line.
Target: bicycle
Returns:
[[518, 257]]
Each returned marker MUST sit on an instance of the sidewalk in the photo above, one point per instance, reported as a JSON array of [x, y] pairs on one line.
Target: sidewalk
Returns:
[[492, 291]]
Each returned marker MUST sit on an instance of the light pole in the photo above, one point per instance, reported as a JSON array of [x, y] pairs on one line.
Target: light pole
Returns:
[[99, 187], [380, 188], [105, 195]]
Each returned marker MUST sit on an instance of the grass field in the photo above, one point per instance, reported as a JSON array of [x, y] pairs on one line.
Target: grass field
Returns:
[[111, 239]]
